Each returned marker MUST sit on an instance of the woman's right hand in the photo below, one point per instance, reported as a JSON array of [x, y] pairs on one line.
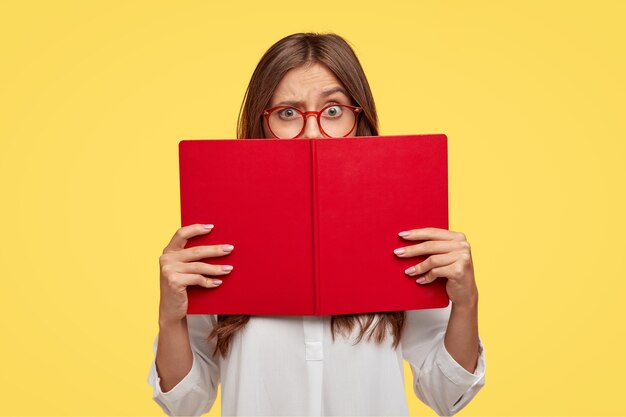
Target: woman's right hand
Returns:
[[181, 268]]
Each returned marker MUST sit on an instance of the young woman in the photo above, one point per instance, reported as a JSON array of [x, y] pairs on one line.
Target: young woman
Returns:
[[313, 86]]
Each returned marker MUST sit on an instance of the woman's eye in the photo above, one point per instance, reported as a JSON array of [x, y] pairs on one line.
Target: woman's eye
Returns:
[[334, 111], [288, 113]]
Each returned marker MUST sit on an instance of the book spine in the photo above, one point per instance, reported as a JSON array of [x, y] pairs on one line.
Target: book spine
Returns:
[[315, 222]]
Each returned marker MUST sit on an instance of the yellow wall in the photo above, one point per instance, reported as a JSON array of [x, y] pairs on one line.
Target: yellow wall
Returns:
[[96, 95]]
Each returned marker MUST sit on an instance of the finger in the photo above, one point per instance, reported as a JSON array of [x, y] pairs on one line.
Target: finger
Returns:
[[205, 269], [433, 274], [431, 233], [433, 261], [201, 252], [179, 282], [432, 247], [182, 235]]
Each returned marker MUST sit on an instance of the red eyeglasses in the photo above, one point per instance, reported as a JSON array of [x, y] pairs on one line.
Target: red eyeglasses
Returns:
[[334, 120]]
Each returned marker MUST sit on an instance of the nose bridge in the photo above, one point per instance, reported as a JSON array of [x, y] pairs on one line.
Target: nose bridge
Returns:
[[311, 127]]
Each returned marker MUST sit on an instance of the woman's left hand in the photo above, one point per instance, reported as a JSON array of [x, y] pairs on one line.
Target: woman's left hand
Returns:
[[449, 256]]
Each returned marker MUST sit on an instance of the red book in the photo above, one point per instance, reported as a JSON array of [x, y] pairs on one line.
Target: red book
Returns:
[[314, 222]]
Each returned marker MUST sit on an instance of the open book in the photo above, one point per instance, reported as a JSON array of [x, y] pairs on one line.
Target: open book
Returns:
[[314, 222]]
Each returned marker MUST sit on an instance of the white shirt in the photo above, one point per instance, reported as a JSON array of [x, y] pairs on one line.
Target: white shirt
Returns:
[[289, 365]]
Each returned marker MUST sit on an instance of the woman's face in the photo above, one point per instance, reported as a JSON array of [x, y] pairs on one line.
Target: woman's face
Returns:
[[309, 88]]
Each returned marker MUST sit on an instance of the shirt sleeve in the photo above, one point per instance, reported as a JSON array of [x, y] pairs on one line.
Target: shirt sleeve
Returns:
[[195, 394], [438, 380]]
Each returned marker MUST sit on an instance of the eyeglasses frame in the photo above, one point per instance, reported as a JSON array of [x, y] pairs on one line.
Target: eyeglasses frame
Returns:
[[317, 114]]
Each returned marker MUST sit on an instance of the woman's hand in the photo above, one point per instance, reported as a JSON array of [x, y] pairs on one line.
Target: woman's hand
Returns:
[[449, 256], [181, 268]]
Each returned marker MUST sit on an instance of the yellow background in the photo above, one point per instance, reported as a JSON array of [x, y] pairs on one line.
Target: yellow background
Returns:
[[96, 95]]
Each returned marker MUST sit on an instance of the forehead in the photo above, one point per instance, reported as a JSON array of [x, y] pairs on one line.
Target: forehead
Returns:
[[305, 82]]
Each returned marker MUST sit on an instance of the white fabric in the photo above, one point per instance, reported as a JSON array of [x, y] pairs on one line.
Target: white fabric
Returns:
[[289, 365]]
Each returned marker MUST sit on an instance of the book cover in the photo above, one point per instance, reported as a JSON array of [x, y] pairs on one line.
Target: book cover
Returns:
[[314, 222]]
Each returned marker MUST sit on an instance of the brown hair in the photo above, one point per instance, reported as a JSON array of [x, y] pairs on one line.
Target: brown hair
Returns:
[[336, 54], [295, 51]]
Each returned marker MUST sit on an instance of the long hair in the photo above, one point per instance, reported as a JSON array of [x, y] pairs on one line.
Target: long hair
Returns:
[[295, 51], [291, 52]]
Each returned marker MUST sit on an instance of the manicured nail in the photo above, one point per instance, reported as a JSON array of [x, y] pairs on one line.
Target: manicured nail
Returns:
[[404, 234], [421, 280], [227, 268], [208, 226], [217, 281], [410, 270], [399, 251], [227, 248]]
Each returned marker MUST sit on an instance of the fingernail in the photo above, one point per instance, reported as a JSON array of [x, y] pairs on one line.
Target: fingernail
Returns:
[[421, 280], [399, 251], [208, 226], [227, 248], [227, 268], [404, 234], [217, 281], [410, 270]]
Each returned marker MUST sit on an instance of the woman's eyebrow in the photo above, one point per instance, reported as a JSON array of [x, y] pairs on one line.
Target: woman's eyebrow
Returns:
[[334, 90], [290, 103], [324, 93]]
